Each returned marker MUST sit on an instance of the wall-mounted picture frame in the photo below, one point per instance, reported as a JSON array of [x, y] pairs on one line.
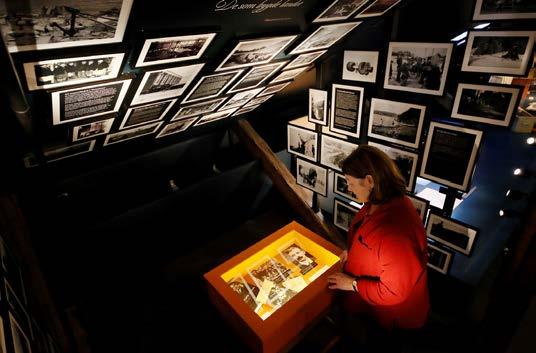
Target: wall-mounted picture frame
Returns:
[[256, 76], [318, 106], [176, 127], [340, 10], [346, 106], [417, 67], [305, 59], [257, 101], [125, 135], [21, 343], [147, 113], [197, 109], [86, 102], [60, 24], [47, 74], [333, 151], [221, 114], [377, 8], [312, 176], [450, 155], [421, 205], [54, 154], [456, 235], [302, 142], [90, 130], [324, 37], [211, 86], [495, 10], [360, 65], [404, 160], [287, 75], [165, 83], [241, 98], [494, 105], [499, 52], [439, 259], [245, 110], [166, 50], [340, 187], [255, 52], [273, 89], [396, 122], [343, 214]]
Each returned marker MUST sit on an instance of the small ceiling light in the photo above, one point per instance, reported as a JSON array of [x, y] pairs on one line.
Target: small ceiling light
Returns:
[[523, 172], [459, 37], [531, 140], [460, 43], [508, 213], [518, 171], [515, 194], [481, 26]]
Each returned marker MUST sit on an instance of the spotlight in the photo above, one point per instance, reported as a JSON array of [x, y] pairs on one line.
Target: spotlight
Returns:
[[523, 172], [515, 194], [503, 212], [531, 140]]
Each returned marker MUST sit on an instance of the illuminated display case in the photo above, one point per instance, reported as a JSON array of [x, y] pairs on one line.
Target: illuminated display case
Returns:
[[274, 290]]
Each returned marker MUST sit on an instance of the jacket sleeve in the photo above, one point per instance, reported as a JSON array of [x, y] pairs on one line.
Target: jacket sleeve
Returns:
[[400, 268]]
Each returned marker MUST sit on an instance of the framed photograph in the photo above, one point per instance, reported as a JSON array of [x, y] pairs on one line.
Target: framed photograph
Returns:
[[133, 133], [81, 103], [255, 52], [498, 10], [289, 74], [198, 108], [333, 151], [340, 187], [439, 259], [343, 214], [86, 131], [486, 104], [340, 10], [167, 50], [421, 205], [377, 8], [21, 343], [418, 67], [211, 86], [324, 37], [499, 52], [209, 118], [47, 74], [257, 101], [256, 76], [318, 106], [273, 89], [58, 153], [176, 127], [360, 65], [312, 176], [245, 110], [396, 122], [165, 83], [147, 113], [346, 105], [450, 154], [302, 142], [405, 161], [305, 59], [452, 233], [241, 98], [60, 24]]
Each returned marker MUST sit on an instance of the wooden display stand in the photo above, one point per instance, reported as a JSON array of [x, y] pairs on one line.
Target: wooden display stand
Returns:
[[266, 321]]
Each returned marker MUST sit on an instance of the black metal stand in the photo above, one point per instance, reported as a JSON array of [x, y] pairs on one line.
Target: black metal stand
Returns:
[[450, 196]]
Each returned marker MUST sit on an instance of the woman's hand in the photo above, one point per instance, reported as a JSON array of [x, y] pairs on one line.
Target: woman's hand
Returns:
[[340, 281], [344, 256]]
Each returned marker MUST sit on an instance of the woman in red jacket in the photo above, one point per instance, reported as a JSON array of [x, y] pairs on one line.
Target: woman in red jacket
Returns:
[[385, 266]]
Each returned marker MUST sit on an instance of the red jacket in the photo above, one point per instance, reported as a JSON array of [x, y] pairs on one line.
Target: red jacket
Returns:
[[387, 252]]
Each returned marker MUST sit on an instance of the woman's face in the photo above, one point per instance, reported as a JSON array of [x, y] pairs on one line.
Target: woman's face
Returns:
[[361, 187]]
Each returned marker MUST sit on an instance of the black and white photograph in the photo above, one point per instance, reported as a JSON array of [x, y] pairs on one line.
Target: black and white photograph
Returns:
[[221, 114], [255, 52], [377, 8], [418, 67], [47, 74], [256, 76], [504, 10], [86, 131], [157, 51], [499, 52], [439, 259], [486, 104], [305, 59], [289, 74], [147, 113], [245, 110], [404, 160], [421, 205], [324, 37], [269, 269], [21, 343], [346, 106], [360, 65], [211, 86], [257, 101], [176, 127], [165, 83], [452, 233], [340, 10], [57, 153], [273, 89], [302, 142], [296, 254], [197, 109], [343, 214], [318, 106], [312, 177], [86, 102], [333, 151], [248, 292], [450, 154], [340, 187], [49, 24], [396, 122], [133, 133], [241, 98]]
